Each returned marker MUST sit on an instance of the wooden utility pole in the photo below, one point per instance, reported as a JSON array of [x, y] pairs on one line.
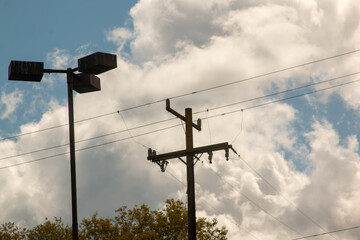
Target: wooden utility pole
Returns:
[[190, 175], [189, 152]]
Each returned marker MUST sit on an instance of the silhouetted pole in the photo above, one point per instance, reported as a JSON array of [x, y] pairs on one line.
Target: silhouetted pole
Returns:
[[70, 82], [189, 152], [190, 176], [85, 82]]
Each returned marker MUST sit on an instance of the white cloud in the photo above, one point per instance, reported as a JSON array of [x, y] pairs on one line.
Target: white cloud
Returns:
[[179, 47], [59, 59], [10, 102], [119, 36]]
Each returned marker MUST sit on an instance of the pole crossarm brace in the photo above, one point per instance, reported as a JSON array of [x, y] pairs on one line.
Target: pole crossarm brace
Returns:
[[182, 153], [169, 109]]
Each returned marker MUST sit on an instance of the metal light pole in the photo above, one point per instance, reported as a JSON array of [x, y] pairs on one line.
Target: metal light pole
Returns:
[[84, 82], [69, 77]]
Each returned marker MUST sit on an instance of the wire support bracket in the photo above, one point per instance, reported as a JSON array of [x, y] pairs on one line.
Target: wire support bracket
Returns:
[[197, 126], [159, 159]]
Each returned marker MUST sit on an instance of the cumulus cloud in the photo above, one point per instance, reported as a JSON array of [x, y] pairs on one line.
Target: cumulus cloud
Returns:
[[59, 58], [119, 36], [10, 102], [179, 47]]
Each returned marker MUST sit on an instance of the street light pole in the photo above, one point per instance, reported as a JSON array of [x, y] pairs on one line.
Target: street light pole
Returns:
[[85, 82], [70, 82]]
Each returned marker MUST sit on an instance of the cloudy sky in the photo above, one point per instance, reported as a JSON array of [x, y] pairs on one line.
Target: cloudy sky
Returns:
[[276, 79]]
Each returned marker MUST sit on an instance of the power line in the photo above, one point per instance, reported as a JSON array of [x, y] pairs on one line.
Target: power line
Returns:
[[325, 233], [266, 74], [297, 209], [278, 93], [207, 110], [54, 127], [243, 80], [255, 204], [216, 210], [56, 155], [90, 147], [192, 93], [87, 139], [281, 100], [208, 117]]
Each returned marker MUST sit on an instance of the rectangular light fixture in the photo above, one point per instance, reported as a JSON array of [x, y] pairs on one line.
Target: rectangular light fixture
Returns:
[[26, 71], [84, 83], [97, 63]]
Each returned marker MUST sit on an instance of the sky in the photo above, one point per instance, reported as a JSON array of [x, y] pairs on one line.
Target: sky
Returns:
[[278, 80]]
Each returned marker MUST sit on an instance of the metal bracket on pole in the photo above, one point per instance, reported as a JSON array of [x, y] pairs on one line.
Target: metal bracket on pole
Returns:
[[152, 156], [162, 163], [169, 109]]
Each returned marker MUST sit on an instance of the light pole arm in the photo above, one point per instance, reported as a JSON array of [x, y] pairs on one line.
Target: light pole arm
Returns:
[[61, 70]]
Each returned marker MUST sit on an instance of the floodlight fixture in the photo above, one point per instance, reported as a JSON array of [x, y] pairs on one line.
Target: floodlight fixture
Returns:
[[26, 71], [97, 63], [84, 83]]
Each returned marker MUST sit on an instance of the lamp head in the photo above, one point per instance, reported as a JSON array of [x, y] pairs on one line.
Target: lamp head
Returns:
[[84, 83], [97, 63], [26, 71]]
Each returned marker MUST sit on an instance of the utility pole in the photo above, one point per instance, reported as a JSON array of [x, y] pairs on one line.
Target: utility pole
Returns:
[[190, 175], [189, 152]]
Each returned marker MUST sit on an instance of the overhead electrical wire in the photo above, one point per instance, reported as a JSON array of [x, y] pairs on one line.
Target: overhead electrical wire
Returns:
[[202, 111], [215, 209], [193, 92], [255, 204], [88, 139], [207, 117], [284, 224], [278, 93], [266, 74], [288, 200], [111, 142], [90, 147], [54, 127], [326, 233], [279, 100]]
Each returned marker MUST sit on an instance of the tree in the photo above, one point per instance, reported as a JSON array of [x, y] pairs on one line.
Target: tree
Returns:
[[55, 230], [99, 228], [139, 223], [168, 223], [9, 231]]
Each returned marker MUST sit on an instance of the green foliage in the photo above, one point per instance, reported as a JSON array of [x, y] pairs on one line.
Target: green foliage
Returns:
[[98, 228], [50, 230], [139, 223], [9, 231]]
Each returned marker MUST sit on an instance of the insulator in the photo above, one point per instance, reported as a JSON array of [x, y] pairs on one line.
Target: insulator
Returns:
[[210, 157], [227, 154], [163, 165]]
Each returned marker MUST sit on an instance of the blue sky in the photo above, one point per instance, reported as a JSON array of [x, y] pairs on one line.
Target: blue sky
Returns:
[[31, 30], [301, 154]]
